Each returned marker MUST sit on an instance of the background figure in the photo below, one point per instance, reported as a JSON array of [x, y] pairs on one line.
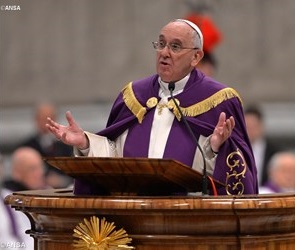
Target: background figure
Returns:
[[8, 233], [27, 173], [199, 14], [48, 146], [208, 64], [262, 148], [281, 172]]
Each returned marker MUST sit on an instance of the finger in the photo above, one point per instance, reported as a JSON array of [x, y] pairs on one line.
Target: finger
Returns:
[[229, 128], [54, 131], [232, 121], [49, 127], [228, 125], [221, 119], [51, 123], [70, 118]]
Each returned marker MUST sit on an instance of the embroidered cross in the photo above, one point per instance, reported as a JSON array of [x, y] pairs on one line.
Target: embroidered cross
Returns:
[[160, 107]]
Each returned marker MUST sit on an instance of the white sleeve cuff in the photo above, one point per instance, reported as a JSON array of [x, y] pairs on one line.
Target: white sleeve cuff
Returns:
[[210, 156], [99, 146]]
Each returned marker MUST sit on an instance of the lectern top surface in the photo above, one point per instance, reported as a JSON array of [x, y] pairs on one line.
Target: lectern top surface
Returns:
[[131, 175]]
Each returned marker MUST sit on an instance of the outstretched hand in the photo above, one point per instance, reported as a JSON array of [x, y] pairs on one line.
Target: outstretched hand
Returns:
[[72, 134], [222, 131]]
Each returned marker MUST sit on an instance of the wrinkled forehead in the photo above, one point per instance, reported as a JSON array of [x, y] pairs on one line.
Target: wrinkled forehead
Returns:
[[183, 29], [177, 30]]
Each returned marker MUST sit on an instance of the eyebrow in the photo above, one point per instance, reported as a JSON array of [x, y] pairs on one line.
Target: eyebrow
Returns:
[[175, 40]]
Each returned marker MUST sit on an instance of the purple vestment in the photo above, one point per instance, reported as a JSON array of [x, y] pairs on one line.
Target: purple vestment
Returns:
[[272, 187], [235, 164]]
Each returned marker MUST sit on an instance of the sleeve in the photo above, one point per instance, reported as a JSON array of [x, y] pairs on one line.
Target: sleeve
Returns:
[[99, 146], [235, 164], [210, 156]]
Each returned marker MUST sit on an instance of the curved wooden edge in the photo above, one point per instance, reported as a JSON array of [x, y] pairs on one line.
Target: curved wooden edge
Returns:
[[64, 198], [182, 222]]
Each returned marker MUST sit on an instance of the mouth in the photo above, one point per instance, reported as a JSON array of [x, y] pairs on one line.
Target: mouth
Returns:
[[164, 63]]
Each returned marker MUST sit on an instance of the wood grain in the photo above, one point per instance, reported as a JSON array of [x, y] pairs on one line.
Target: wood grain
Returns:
[[131, 176], [183, 222]]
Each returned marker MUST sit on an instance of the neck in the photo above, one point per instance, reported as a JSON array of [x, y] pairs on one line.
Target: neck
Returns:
[[178, 84]]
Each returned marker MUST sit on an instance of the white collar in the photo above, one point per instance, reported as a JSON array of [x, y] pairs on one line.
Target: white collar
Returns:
[[179, 86]]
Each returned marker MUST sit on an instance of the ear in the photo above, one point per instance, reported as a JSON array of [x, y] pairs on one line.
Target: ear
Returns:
[[197, 57]]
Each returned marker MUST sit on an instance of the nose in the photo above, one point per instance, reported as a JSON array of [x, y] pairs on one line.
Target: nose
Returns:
[[165, 51]]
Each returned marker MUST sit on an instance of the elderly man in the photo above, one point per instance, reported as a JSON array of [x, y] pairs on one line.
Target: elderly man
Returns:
[[47, 145], [27, 170], [27, 173], [145, 122], [281, 171]]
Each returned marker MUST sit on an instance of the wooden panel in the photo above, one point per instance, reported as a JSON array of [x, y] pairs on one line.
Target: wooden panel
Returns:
[[226, 222], [131, 176]]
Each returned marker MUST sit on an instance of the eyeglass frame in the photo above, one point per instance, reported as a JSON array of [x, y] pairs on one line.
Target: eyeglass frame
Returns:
[[156, 44]]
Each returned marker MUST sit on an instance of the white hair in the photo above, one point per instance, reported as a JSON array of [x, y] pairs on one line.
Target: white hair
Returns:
[[200, 39], [275, 160]]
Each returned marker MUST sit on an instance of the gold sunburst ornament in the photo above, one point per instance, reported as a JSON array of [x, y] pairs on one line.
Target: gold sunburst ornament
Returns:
[[100, 235]]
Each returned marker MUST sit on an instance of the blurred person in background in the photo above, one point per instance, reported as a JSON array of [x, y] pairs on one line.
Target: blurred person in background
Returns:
[[199, 14], [48, 146], [27, 173], [281, 173], [208, 65], [262, 148], [8, 231]]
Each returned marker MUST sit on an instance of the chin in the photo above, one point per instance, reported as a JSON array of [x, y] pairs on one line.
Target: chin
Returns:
[[165, 77]]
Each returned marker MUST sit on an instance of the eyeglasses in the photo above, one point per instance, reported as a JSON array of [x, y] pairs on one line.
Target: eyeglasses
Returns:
[[174, 47]]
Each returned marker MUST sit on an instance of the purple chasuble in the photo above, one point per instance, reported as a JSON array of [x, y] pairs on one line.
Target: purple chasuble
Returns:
[[235, 164], [14, 229], [272, 187]]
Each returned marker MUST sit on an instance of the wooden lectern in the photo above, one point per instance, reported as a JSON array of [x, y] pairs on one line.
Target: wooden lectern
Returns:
[[131, 176], [180, 222]]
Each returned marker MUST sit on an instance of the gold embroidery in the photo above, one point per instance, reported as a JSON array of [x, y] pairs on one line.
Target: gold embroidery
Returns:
[[210, 102], [172, 106], [234, 178], [205, 105], [132, 103], [152, 102], [197, 109], [160, 107]]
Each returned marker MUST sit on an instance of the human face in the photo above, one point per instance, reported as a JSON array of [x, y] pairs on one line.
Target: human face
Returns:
[[27, 168], [254, 127], [207, 68], [283, 175], [174, 66], [33, 176], [44, 111]]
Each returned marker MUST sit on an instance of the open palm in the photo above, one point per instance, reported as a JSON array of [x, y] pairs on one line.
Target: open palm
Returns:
[[222, 131], [72, 134]]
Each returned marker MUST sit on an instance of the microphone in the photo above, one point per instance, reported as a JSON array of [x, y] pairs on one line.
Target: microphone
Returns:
[[171, 87]]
